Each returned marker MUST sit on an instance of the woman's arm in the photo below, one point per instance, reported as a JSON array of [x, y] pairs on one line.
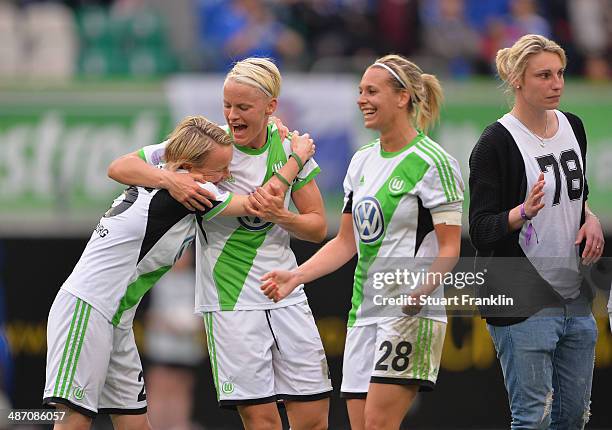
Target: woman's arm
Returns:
[[305, 148], [334, 254], [593, 234], [487, 218], [309, 224], [273, 191], [449, 247], [530, 208], [130, 169], [238, 206]]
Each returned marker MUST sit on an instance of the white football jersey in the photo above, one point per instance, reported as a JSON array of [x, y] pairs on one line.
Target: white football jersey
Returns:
[[234, 253], [136, 241], [391, 197], [550, 243]]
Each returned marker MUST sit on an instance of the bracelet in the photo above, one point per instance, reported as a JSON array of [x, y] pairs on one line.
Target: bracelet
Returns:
[[282, 179], [523, 213], [298, 160]]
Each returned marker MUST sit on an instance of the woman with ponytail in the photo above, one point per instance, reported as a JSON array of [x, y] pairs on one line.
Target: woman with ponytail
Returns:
[[528, 194], [402, 208]]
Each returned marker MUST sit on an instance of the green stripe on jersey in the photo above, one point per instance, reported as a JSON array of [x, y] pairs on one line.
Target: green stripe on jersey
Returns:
[[276, 154], [136, 290], [234, 264], [438, 149], [411, 169], [369, 145], [414, 141], [219, 208], [142, 155], [301, 182], [444, 170], [238, 255]]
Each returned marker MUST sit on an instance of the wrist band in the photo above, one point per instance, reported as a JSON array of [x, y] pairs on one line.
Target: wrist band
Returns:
[[282, 179], [523, 213], [297, 159]]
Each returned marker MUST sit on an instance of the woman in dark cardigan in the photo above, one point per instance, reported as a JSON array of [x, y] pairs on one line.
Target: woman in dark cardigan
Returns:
[[528, 193]]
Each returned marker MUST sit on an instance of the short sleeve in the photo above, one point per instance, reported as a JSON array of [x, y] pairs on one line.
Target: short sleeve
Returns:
[[441, 189], [308, 173], [154, 154], [348, 195], [220, 202]]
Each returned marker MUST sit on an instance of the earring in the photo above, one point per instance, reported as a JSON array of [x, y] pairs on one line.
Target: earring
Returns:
[[518, 86]]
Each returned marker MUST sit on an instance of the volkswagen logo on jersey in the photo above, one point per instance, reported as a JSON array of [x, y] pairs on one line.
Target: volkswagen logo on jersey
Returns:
[[253, 223], [369, 220]]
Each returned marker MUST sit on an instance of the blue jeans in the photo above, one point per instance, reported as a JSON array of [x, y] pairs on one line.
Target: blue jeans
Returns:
[[547, 361]]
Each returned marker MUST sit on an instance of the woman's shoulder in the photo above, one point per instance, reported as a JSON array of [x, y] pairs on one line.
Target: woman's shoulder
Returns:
[[574, 121], [495, 147], [495, 137], [571, 116], [495, 130], [578, 128]]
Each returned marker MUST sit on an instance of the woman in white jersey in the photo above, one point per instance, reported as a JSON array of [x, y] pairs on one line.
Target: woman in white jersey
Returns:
[[93, 364], [261, 352], [528, 194], [403, 197]]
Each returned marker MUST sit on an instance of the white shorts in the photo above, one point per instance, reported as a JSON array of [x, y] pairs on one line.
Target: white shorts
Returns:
[[402, 351], [92, 366], [261, 356]]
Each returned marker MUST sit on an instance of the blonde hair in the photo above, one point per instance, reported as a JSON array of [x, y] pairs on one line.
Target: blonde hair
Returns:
[[192, 140], [512, 62], [424, 89], [260, 73]]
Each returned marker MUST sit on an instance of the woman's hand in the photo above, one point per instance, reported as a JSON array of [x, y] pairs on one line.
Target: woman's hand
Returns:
[[283, 131], [592, 232], [185, 190], [534, 203], [267, 205], [414, 305], [278, 284], [302, 145]]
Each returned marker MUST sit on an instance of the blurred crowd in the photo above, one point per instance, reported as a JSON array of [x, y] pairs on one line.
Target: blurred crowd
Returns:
[[453, 38]]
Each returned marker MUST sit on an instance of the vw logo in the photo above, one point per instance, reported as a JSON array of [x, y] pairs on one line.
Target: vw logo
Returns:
[[253, 223], [369, 220], [396, 185]]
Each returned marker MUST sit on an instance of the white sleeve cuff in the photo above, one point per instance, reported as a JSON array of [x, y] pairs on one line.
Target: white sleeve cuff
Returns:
[[447, 217]]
